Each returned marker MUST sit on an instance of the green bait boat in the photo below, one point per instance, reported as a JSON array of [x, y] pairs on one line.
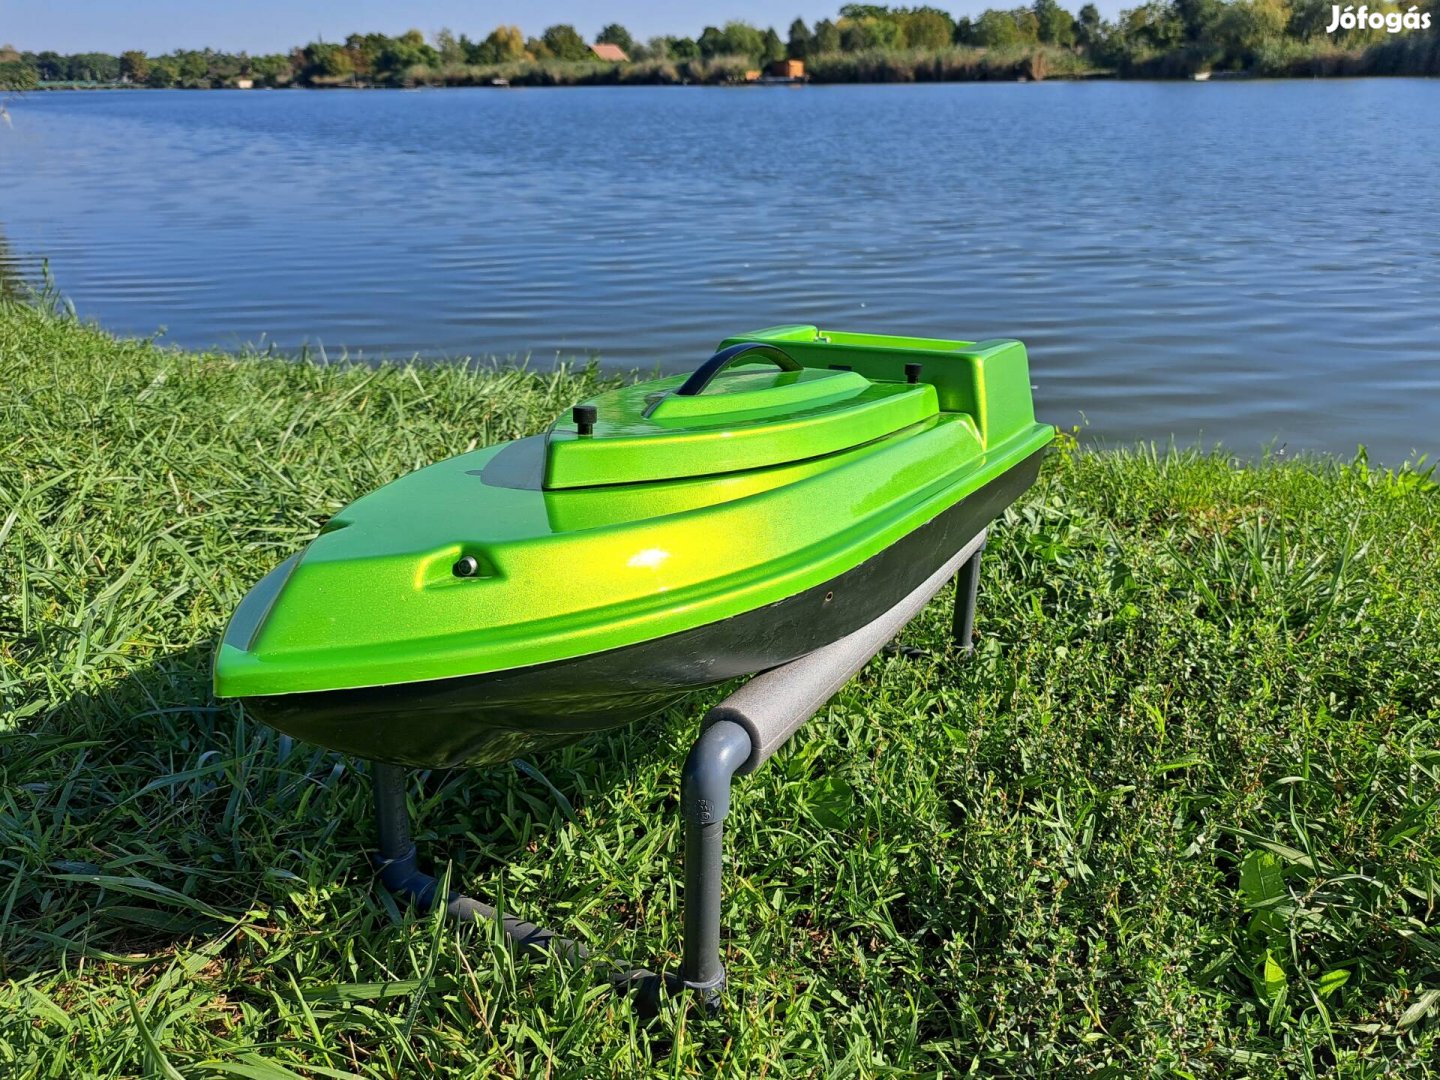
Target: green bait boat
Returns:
[[664, 537]]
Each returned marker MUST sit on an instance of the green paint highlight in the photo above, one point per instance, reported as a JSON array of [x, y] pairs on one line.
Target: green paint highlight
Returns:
[[675, 513]]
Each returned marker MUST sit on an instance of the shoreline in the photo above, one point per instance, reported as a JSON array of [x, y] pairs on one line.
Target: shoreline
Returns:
[[1098, 75], [1411, 57], [28, 302]]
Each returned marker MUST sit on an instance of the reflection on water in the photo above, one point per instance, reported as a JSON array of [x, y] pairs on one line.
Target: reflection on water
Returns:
[[1203, 260], [12, 283]]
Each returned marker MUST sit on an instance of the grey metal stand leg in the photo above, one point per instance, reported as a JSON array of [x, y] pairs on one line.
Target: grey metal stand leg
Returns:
[[400, 873], [705, 799], [395, 858], [967, 587], [739, 735]]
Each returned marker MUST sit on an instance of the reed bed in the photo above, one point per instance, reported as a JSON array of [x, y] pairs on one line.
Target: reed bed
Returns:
[[950, 65], [959, 64], [717, 70]]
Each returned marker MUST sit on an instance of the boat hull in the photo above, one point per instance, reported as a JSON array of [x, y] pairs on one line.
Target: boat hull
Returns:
[[492, 717]]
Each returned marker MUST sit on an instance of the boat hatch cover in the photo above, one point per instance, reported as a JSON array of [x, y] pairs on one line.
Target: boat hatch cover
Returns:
[[727, 416]]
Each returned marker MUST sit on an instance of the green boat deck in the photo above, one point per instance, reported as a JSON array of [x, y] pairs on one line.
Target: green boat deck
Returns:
[[674, 513]]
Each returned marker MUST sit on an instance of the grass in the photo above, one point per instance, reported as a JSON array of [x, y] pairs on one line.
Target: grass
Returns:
[[1176, 817]]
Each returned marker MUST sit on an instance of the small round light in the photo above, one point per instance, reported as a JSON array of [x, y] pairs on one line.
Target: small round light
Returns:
[[466, 566]]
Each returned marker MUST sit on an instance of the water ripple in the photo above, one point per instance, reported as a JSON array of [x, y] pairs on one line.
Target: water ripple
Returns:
[[1203, 261]]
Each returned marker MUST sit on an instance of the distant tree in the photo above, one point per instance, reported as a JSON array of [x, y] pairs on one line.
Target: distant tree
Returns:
[[711, 42], [1153, 26], [194, 67], [449, 47], [163, 73], [742, 39], [212, 69], [93, 67], [615, 34], [134, 66], [927, 28], [509, 43], [18, 75], [682, 48], [798, 47], [401, 54], [1054, 25], [1200, 17], [774, 48], [855, 35], [365, 51], [999, 29], [323, 60], [537, 49], [15, 73], [870, 31], [273, 69], [565, 42], [827, 37], [226, 67], [49, 66], [1245, 25], [1307, 18], [1089, 28], [505, 45]]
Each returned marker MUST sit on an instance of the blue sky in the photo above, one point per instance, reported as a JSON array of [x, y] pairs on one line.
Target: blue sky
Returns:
[[262, 26]]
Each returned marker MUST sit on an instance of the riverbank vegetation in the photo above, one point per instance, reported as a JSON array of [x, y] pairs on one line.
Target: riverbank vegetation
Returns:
[[864, 43], [1177, 815]]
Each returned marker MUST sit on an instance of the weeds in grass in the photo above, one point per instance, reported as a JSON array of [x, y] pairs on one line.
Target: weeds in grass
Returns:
[[1177, 816]]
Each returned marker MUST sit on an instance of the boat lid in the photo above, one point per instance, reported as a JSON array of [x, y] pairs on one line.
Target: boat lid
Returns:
[[725, 417]]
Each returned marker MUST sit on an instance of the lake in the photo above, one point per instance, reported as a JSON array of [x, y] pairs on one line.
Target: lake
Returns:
[[1247, 262]]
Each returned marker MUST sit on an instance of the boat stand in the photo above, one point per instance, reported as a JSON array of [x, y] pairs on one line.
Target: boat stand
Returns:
[[737, 736]]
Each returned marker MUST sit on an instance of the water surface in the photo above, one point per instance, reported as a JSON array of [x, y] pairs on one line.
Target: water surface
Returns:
[[1245, 262]]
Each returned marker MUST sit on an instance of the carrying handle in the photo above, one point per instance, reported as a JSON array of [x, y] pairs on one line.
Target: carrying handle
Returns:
[[700, 378]]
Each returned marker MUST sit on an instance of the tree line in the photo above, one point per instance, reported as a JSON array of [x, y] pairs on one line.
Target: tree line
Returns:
[[864, 42]]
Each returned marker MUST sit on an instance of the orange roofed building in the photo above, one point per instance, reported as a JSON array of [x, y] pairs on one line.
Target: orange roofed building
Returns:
[[611, 54]]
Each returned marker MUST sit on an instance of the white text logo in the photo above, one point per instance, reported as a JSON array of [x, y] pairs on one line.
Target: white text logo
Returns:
[[1390, 21]]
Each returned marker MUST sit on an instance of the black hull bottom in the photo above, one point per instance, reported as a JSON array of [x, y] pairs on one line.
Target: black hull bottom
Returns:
[[482, 719]]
